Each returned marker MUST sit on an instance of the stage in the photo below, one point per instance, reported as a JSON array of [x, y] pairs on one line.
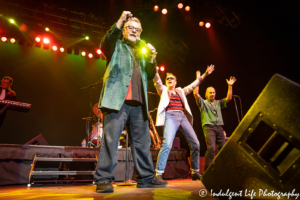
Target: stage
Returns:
[[16, 164], [176, 189]]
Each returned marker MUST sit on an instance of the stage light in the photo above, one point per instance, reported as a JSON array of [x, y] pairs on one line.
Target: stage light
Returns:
[[156, 8], [12, 40], [12, 21], [164, 11], [4, 39], [207, 25], [76, 52], [37, 39], [90, 55], [180, 5], [162, 68], [99, 51], [46, 41], [47, 29], [201, 23], [144, 50], [54, 48], [87, 38], [62, 49], [187, 8], [83, 53]]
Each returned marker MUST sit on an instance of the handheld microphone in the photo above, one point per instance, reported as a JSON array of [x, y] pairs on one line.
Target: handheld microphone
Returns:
[[139, 40]]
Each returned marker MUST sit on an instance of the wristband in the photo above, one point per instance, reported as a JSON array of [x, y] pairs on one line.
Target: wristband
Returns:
[[201, 79]]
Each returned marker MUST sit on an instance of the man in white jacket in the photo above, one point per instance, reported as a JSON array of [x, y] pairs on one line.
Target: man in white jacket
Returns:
[[174, 112]]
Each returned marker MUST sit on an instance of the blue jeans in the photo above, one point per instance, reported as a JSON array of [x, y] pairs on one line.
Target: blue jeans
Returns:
[[134, 117], [177, 120]]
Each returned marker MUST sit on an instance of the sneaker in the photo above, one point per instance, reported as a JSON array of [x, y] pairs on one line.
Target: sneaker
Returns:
[[159, 177], [154, 183], [196, 176], [105, 187]]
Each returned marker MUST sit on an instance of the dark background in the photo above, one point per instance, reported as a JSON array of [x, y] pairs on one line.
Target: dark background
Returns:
[[266, 42]]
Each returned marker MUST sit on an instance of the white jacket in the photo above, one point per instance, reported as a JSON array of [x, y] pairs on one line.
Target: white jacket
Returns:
[[165, 94]]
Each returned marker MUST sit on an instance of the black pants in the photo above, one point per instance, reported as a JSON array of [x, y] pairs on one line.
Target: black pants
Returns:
[[138, 129], [213, 135]]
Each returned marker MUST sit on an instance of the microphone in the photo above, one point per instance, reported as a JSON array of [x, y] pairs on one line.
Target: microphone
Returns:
[[139, 40]]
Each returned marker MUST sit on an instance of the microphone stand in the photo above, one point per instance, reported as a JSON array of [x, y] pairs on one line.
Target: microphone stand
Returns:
[[127, 182], [91, 105], [237, 108]]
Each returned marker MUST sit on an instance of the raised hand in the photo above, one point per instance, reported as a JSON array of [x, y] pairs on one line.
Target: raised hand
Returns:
[[210, 69], [231, 80], [126, 15], [198, 75]]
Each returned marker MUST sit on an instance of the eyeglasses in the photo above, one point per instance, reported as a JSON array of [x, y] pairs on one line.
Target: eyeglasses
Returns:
[[171, 77], [134, 28]]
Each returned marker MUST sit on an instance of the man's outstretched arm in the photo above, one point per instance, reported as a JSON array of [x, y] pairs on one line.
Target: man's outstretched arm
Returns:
[[229, 93]]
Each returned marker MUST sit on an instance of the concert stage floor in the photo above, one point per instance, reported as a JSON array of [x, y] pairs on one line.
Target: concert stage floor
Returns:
[[176, 189]]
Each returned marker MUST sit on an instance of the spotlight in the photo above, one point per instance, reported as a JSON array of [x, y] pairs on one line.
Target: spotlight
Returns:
[[46, 41], [187, 8], [162, 68], [99, 51], [47, 29], [156, 8], [62, 49], [144, 50], [201, 23], [90, 55], [180, 5], [207, 25], [12, 40], [12, 21], [37, 39], [4, 39], [83, 53], [54, 48], [87, 38], [164, 11]]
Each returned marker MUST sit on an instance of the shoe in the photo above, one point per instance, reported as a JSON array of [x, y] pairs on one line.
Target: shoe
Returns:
[[197, 176], [159, 177], [154, 183], [105, 187]]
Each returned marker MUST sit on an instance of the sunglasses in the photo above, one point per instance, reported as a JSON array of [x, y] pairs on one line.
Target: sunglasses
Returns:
[[171, 77]]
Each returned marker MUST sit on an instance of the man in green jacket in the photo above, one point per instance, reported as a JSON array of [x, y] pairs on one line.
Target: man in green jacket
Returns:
[[124, 102]]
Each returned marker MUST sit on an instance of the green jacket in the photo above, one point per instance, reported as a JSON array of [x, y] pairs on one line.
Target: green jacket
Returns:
[[119, 66]]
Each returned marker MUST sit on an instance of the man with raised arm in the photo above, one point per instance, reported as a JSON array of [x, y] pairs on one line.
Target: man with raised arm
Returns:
[[124, 102], [211, 118], [174, 113]]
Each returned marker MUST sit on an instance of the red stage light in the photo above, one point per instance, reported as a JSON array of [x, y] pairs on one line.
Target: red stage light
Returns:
[[62, 49], [187, 8], [180, 5], [90, 55], [207, 25], [4, 39], [99, 51], [164, 11], [201, 23], [12, 40], [83, 53], [37, 39], [156, 8], [54, 48], [162, 68], [46, 41]]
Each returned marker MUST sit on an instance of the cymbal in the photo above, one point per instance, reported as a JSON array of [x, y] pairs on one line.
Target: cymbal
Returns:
[[97, 111]]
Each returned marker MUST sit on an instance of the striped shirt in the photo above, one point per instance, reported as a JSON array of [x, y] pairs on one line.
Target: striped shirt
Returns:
[[175, 103]]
